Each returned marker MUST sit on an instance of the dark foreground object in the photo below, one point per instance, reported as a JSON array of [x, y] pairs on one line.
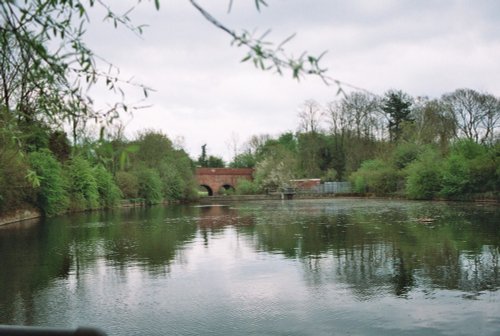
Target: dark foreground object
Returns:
[[34, 331]]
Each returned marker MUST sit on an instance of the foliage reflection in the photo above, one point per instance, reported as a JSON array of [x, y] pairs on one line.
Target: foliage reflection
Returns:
[[371, 248]]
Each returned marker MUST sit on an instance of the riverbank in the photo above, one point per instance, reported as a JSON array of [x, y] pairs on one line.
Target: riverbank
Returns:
[[19, 215]]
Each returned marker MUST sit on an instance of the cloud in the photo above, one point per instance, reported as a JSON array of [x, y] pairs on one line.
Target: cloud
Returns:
[[205, 94]]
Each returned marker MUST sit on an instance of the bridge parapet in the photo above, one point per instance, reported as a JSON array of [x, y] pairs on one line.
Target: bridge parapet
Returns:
[[225, 171]]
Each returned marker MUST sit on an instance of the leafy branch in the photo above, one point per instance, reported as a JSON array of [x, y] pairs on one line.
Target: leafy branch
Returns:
[[45, 40], [264, 54]]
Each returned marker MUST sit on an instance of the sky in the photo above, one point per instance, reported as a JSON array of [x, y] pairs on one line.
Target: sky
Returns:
[[203, 94]]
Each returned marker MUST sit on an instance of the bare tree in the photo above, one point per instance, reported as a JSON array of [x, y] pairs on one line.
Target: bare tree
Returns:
[[361, 109], [233, 144], [311, 116], [491, 120], [256, 142], [357, 113], [338, 119], [477, 115], [433, 122]]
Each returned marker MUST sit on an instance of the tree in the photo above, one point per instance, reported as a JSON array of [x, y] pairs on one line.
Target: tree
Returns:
[[276, 169], [202, 159], [316, 154], [233, 144], [356, 112], [154, 147], [59, 145], [257, 142], [53, 67], [354, 126], [433, 123], [243, 160], [209, 161], [477, 115], [310, 117], [215, 162], [396, 105]]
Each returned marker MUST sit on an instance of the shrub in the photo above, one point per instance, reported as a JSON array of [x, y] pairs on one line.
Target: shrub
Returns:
[[375, 176], [52, 197], [59, 145], [14, 187], [484, 170], [404, 154], [82, 185], [424, 177], [128, 184], [330, 175], [150, 186], [173, 185], [246, 187], [109, 193], [456, 175], [457, 168]]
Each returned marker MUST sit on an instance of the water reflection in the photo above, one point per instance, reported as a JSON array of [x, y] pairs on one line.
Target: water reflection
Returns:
[[213, 219], [388, 247], [361, 250]]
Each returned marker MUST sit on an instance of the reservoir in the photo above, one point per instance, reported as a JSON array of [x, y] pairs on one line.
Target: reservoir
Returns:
[[299, 267]]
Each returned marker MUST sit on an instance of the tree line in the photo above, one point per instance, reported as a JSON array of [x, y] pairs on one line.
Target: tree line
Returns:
[[396, 144], [42, 169], [393, 145]]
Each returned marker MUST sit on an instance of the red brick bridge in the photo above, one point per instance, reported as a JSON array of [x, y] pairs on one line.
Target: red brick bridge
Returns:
[[217, 179]]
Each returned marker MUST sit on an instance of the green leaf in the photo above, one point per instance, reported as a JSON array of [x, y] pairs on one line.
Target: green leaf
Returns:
[[246, 58]]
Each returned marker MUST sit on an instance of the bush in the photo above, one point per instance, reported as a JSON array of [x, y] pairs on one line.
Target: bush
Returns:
[[14, 187], [150, 186], [457, 168], [330, 175], [52, 197], [83, 189], [128, 184], [173, 185], [484, 170], [424, 177], [109, 193], [375, 176], [246, 187], [404, 154]]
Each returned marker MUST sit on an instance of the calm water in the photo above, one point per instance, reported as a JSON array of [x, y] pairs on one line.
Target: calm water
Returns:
[[322, 267]]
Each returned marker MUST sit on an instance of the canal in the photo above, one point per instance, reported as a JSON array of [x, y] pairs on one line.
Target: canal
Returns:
[[301, 267]]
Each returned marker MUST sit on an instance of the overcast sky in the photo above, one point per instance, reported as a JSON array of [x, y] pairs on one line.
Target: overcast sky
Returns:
[[205, 95]]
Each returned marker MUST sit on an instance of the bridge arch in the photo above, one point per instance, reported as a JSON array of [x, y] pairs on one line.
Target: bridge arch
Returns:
[[225, 187], [220, 179], [207, 188]]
